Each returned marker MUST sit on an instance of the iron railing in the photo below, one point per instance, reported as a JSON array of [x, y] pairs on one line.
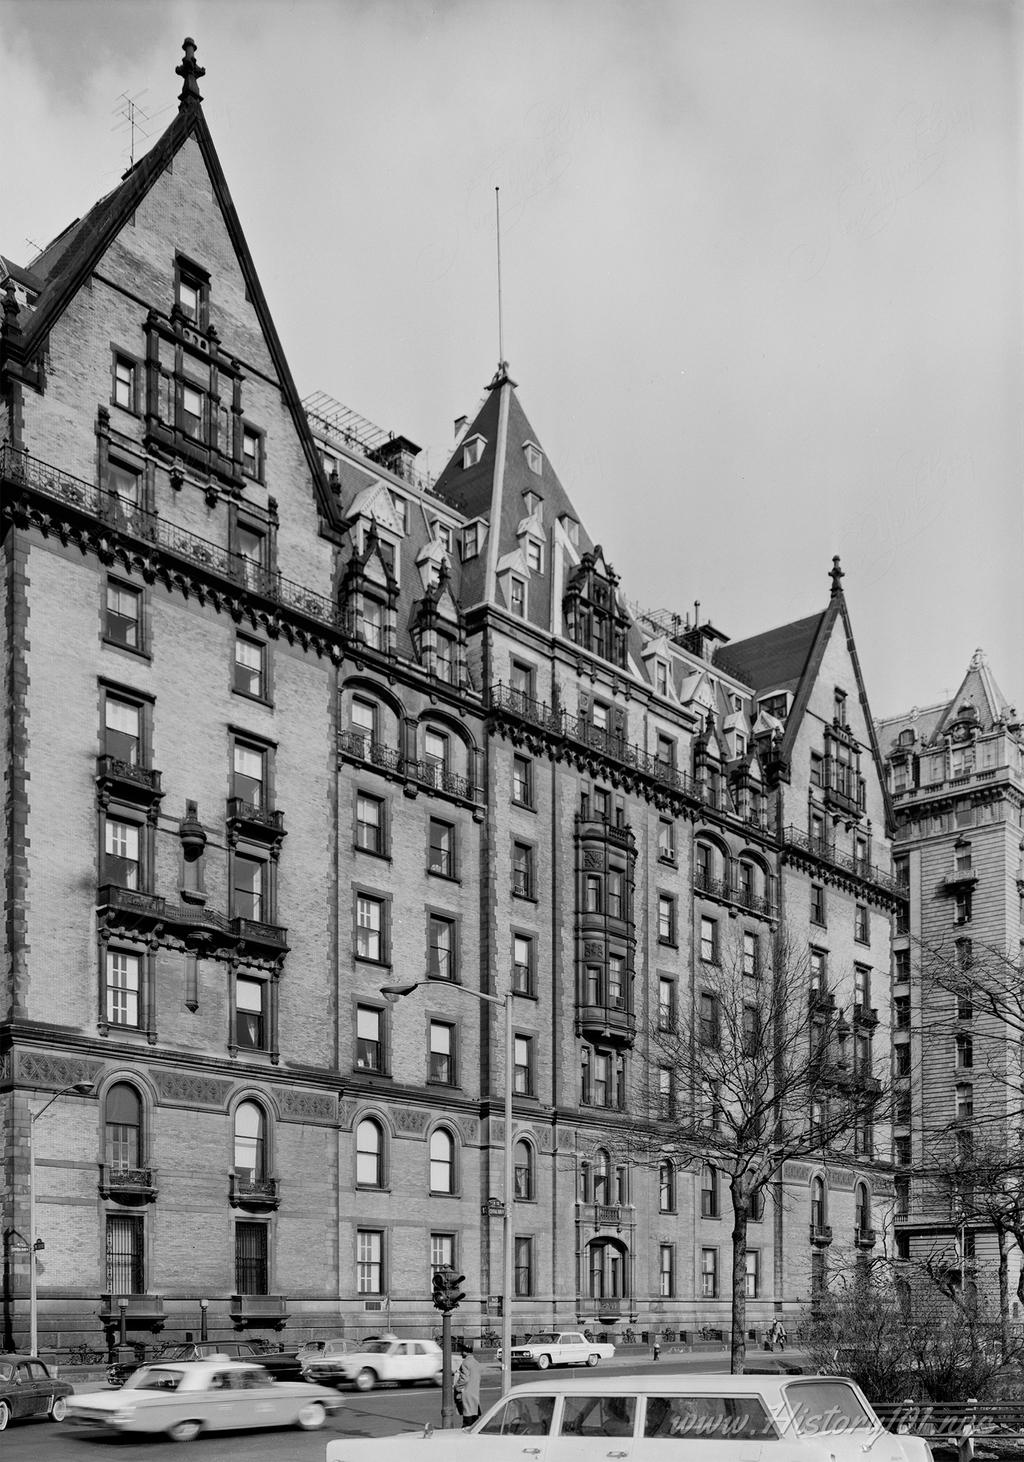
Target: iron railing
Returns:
[[817, 847]]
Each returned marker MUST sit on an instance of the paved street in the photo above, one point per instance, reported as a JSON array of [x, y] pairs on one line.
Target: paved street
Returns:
[[380, 1413]]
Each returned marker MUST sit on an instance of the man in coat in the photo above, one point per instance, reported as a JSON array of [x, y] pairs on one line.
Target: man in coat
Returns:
[[467, 1385]]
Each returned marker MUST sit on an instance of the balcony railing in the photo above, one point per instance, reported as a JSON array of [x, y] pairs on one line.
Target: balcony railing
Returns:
[[190, 918], [133, 782], [127, 1183], [357, 744], [259, 822], [864, 1238], [726, 892], [439, 778], [827, 852], [253, 1192], [137, 522], [821, 1234]]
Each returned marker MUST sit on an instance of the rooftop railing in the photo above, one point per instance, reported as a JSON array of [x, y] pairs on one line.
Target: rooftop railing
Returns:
[[827, 851]]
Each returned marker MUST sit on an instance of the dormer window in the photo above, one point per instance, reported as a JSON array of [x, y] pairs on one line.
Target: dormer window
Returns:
[[443, 534], [330, 464], [572, 530], [840, 707], [401, 507], [661, 677], [534, 556], [372, 623], [471, 541], [776, 705], [517, 597], [472, 451], [192, 292], [534, 459], [906, 738]]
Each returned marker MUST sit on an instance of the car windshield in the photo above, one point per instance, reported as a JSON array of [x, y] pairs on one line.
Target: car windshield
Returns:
[[542, 1337], [154, 1378], [6, 1373], [180, 1352], [827, 1406]]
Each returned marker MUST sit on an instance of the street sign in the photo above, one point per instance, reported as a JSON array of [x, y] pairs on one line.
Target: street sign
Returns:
[[493, 1207]]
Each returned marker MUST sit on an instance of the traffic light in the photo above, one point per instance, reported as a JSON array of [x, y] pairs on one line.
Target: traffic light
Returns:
[[446, 1292]]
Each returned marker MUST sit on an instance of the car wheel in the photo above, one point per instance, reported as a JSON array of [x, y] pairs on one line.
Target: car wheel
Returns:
[[5, 1415], [543, 1361], [592, 1360], [58, 1408], [366, 1379], [312, 1415], [185, 1431]]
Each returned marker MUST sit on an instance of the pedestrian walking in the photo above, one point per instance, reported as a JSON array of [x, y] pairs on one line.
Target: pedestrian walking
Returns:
[[657, 1347], [467, 1385]]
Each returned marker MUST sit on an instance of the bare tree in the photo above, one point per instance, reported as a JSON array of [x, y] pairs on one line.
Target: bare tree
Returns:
[[767, 1071]]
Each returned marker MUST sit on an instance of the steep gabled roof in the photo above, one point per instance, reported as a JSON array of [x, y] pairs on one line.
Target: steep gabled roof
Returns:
[[68, 261], [978, 689], [775, 660]]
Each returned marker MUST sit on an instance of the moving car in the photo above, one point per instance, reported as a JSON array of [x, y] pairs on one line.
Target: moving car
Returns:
[[184, 1398], [659, 1418], [386, 1358], [559, 1348], [119, 1372], [28, 1389]]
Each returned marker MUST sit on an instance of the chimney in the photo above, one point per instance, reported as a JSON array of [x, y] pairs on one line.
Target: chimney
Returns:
[[461, 422]]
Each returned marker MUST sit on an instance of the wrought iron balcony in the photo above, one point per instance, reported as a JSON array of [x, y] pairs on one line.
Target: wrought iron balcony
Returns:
[[260, 1193], [864, 1238], [128, 781], [252, 932], [127, 1185], [192, 921], [259, 1309], [728, 893], [827, 852], [259, 824], [431, 774], [361, 747], [821, 1234], [865, 1014]]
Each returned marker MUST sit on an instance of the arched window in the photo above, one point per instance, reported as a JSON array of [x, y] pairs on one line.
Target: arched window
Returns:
[[602, 1176], [585, 1182], [863, 1209], [709, 1204], [250, 1143], [666, 1187], [123, 1117], [369, 1154], [524, 1170], [442, 1162], [818, 1204]]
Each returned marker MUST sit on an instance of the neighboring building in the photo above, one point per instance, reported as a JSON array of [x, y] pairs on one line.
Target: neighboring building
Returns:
[[284, 724], [956, 773]]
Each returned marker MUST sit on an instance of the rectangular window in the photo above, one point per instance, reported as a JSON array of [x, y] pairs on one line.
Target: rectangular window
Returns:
[[126, 1254], [251, 546], [124, 382], [522, 870], [369, 928], [708, 1192], [122, 730], [522, 781], [441, 964], [250, 668], [441, 854], [600, 1078], [666, 919], [901, 964], [122, 977], [517, 597], [534, 556], [710, 1021], [666, 1004], [666, 1095], [369, 823], [709, 1273], [250, 1014], [751, 1030], [752, 1279], [523, 681], [442, 1252], [371, 623], [471, 541], [522, 1065], [964, 1052], [964, 1103], [616, 982], [817, 904], [121, 863], [523, 1266], [252, 453], [666, 840], [249, 773], [442, 1052], [751, 956], [193, 412], [665, 755], [661, 677], [369, 1261], [709, 941], [122, 622], [192, 295], [962, 907], [861, 926], [369, 1038], [251, 1259], [522, 964], [249, 888], [667, 1271]]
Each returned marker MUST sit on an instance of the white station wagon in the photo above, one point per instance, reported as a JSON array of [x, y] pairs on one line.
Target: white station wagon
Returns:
[[660, 1418]]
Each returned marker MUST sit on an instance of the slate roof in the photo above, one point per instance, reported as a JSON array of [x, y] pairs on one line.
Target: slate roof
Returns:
[[775, 660]]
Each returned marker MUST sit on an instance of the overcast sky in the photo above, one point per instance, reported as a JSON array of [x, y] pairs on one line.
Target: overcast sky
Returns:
[[761, 266]]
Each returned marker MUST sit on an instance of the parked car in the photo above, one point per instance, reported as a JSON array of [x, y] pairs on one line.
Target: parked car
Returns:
[[818, 1418], [386, 1358], [28, 1389], [184, 1398], [119, 1371], [559, 1348]]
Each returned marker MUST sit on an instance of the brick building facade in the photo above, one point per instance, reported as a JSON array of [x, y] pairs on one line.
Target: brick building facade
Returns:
[[286, 723]]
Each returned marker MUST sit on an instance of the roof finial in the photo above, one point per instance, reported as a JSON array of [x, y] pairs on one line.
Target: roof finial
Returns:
[[190, 73], [836, 576]]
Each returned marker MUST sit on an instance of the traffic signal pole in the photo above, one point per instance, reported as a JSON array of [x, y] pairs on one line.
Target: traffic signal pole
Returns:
[[448, 1380]]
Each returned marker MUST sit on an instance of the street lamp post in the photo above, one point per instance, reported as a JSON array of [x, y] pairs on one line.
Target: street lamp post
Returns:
[[34, 1244], [393, 992]]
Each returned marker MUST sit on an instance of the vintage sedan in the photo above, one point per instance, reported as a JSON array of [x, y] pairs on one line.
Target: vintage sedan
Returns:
[[385, 1358], [28, 1389], [185, 1398], [559, 1348], [659, 1418]]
